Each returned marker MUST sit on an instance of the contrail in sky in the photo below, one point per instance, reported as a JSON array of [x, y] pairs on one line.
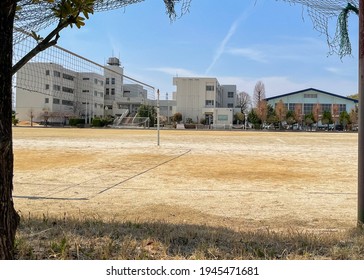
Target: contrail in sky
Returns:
[[221, 49]]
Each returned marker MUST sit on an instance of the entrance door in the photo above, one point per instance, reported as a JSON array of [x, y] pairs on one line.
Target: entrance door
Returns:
[[209, 118]]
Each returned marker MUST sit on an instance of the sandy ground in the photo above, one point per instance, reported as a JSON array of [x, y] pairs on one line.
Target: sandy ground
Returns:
[[239, 179]]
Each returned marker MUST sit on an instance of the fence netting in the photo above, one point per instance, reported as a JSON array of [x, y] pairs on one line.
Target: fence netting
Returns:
[[330, 17]]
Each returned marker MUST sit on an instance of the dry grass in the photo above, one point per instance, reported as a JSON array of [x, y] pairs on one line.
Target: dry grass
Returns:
[[93, 239], [201, 195]]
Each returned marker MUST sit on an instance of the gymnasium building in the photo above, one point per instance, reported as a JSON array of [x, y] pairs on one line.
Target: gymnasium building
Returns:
[[308, 98]]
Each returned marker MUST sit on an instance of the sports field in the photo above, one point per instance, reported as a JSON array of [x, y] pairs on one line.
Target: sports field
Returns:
[[238, 179]]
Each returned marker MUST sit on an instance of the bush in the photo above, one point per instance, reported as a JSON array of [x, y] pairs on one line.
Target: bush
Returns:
[[96, 122], [101, 122], [76, 122]]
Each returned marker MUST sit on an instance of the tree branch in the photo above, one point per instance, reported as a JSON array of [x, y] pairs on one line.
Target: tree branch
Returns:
[[49, 41]]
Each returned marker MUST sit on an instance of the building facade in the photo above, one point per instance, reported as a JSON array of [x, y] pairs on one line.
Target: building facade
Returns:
[[113, 74], [204, 99], [306, 99], [48, 92]]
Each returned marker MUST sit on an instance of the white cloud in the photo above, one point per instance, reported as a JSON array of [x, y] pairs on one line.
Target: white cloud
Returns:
[[249, 53], [174, 71], [333, 70]]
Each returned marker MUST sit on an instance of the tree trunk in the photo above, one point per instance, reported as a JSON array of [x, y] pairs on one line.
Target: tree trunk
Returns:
[[9, 219]]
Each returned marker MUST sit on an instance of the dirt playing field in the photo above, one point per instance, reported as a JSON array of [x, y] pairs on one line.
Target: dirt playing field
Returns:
[[239, 179]]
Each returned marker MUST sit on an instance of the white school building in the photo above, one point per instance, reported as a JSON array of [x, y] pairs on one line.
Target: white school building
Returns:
[[200, 99]]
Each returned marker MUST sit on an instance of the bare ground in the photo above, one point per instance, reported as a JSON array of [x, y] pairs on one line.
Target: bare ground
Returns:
[[236, 179]]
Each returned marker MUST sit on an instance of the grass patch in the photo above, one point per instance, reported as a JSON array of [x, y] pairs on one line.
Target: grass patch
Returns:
[[85, 238]]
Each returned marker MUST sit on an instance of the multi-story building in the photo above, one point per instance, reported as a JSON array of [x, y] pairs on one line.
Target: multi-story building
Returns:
[[133, 96], [113, 85], [204, 99], [50, 92], [90, 97]]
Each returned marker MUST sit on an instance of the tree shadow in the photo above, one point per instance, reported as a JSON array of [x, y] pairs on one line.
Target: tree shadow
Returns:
[[95, 239]]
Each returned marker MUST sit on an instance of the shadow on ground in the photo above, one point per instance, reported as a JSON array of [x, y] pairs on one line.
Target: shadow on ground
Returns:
[[94, 239]]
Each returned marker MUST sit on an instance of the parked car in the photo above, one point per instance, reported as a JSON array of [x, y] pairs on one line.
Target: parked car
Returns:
[[339, 127]]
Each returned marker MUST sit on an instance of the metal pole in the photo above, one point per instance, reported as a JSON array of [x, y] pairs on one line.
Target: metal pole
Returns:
[[158, 116], [361, 118], [167, 108]]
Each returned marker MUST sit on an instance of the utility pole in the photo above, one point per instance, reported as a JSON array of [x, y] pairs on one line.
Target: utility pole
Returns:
[[361, 118]]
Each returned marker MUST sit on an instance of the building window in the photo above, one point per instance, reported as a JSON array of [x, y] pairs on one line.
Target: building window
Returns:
[[56, 74], [67, 102], [107, 81], [222, 117], [230, 105], [67, 89], [86, 79], [209, 103], [56, 101], [230, 94], [210, 88], [310, 95], [112, 91], [107, 91], [342, 108], [307, 108], [113, 81], [57, 87], [326, 108], [67, 77], [46, 100], [291, 107], [47, 72], [46, 86]]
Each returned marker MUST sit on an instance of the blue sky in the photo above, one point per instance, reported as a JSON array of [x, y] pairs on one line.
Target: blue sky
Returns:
[[238, 42]]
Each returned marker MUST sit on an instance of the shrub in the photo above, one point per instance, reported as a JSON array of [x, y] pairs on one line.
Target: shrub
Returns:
[[96, 122], [76, 122]]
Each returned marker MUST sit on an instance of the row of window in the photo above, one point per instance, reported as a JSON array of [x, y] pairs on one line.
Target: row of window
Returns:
[[96, 93], [310, 95], [100, 106], [108, 91], [58, 88], [96, 81], [69, 77], [112, 81], [57, 74], [58, 101], [210, 88], [308, 107]]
